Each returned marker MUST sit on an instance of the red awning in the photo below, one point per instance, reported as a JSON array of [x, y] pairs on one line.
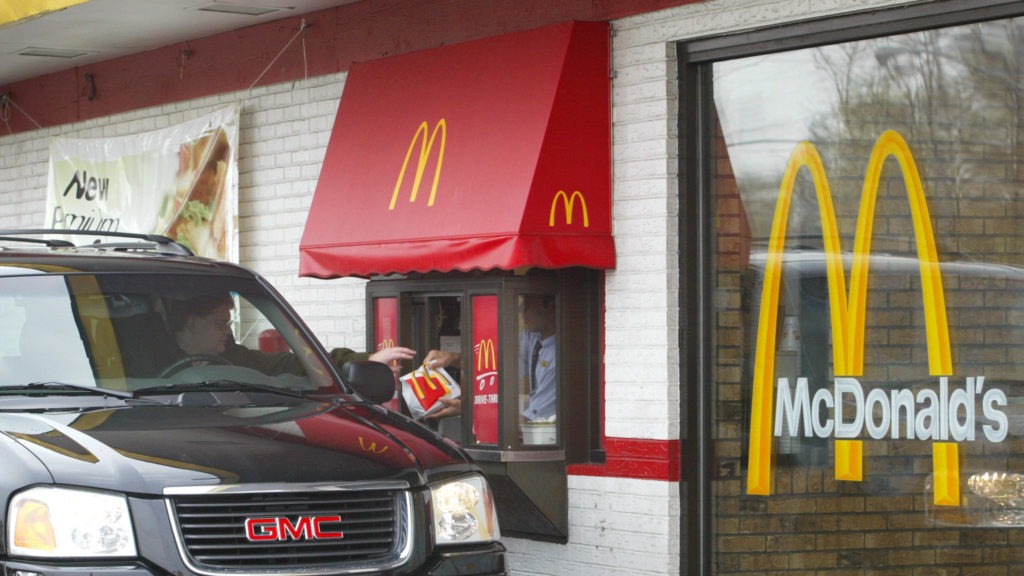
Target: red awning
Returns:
[[491, 154]]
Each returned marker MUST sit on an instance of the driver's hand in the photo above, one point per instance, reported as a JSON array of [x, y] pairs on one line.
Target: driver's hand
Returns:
[[393, 357]]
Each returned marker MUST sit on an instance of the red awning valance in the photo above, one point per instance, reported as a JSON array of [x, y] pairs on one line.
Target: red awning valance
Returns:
[[491, 154]]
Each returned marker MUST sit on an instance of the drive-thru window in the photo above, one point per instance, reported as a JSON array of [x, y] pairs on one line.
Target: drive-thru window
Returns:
[[475, 194], [516, 335]]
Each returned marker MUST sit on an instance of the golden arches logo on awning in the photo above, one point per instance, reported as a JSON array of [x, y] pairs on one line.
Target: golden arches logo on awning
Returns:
[[568, 203], [486, 356], [425, 148], [847, 308]]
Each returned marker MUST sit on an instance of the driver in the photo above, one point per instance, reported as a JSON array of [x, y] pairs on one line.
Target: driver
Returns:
[[201, 328]]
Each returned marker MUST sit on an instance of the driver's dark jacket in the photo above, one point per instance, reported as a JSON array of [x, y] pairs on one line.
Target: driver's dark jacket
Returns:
[[281, 362], [270, 363]]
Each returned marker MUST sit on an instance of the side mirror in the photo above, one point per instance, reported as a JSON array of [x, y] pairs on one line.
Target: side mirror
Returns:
[[372, 380]]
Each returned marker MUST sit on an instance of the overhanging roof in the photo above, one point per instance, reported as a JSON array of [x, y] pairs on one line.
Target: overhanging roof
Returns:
[[491, 154]]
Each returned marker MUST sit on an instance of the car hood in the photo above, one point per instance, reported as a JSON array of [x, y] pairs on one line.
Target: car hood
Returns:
[[147, 448]]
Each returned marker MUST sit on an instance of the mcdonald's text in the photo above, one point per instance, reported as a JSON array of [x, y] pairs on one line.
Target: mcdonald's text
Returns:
[[927, 414], [946, 414]]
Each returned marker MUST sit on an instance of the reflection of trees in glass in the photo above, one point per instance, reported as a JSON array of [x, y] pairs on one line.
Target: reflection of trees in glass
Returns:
[[954, 93], [994, 64]]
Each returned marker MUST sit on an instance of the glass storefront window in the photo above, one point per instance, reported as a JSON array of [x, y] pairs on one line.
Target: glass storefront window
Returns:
[[869, 280]]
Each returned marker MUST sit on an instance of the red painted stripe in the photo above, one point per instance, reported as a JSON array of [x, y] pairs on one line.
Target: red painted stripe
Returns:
[[635, 458]]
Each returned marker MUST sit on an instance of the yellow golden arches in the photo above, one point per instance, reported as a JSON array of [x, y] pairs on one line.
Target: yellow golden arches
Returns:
[[940, 362], [371, 446], [805, 155], [847, 315], [426, 146], [569, 203], [486, 357], [946, 473]]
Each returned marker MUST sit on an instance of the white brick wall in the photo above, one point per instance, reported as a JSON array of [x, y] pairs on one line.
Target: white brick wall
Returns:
[[283, 138], [617, 526], [620, 526], [285, 129]]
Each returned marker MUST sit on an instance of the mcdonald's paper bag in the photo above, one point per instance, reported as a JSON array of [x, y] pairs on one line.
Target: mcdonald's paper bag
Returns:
[[424, 387]]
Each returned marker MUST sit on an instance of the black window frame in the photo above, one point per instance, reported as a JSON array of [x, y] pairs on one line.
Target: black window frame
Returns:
[[697, 212], [530, 481]]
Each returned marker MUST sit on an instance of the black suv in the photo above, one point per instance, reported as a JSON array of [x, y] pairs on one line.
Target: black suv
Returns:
[[124, 453]]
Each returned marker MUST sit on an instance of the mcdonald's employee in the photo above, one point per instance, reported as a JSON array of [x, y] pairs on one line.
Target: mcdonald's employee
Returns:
[[201, 327], [537, 356], [537, 361]]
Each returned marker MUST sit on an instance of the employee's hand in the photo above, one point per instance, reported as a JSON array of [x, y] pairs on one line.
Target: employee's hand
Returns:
[[393, 357], [442, 359], [452, 407]]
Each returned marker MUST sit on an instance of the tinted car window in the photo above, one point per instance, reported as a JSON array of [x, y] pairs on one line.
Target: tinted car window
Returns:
[[124, 332]]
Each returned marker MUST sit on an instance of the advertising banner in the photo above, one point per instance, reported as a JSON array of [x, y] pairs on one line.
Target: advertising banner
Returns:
[[385, 334], [181, 182], [485, 369]]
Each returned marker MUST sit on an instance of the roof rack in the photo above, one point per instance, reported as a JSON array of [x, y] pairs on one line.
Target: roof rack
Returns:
[[155, 242], [49, 243]]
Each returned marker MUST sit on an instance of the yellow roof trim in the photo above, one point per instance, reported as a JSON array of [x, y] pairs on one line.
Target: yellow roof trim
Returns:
[[11, 12]]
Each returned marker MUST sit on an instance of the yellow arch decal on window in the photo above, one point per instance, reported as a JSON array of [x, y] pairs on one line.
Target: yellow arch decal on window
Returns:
[[848, 314]]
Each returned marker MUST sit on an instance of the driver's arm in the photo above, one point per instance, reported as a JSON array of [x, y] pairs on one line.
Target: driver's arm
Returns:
[[267, 362], [273, 363]]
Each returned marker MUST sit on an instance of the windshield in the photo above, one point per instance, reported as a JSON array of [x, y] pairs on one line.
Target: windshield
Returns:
[[133, 332]]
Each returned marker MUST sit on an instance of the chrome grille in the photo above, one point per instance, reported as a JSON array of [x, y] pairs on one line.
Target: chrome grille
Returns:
[[212, 529]]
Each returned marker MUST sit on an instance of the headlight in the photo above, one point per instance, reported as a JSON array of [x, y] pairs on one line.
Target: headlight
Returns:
[[464, 512], [54, 522]]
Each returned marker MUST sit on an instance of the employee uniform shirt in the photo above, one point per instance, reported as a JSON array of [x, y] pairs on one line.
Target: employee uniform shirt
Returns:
[[544, 378]]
